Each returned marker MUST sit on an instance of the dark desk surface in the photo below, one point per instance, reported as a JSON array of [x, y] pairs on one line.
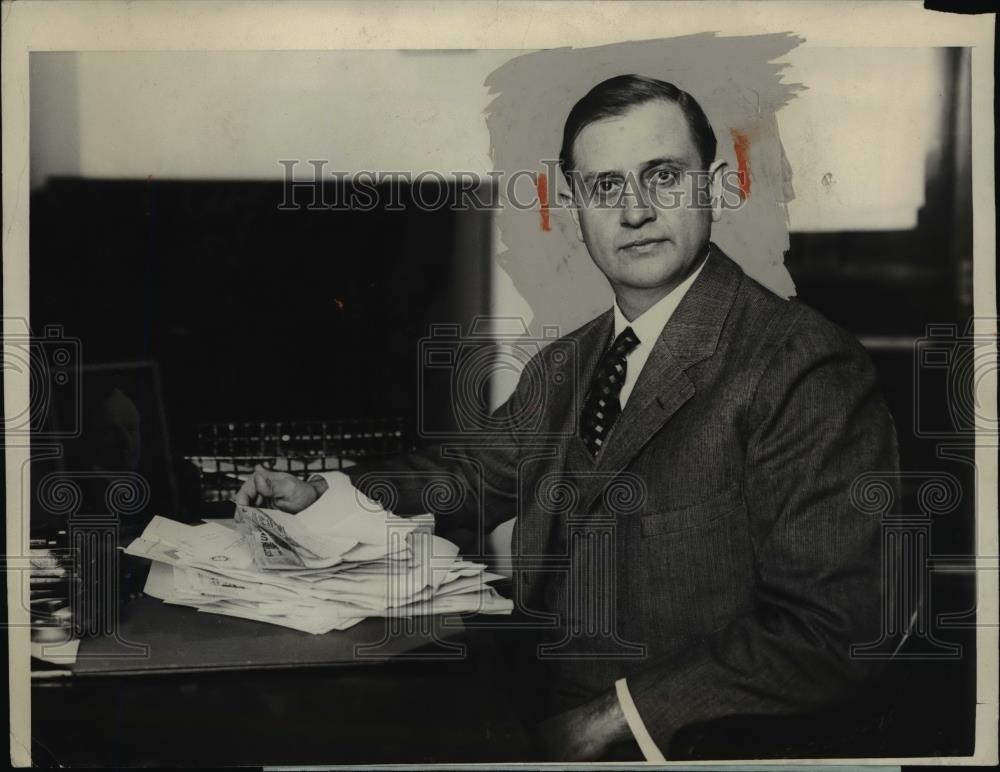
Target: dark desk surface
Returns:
[[211, 690], [157, 637]]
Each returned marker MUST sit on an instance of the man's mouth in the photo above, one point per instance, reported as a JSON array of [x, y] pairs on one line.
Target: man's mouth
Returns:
[[640, 245]]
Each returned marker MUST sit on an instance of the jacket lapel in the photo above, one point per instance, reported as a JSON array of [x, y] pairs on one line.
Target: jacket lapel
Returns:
[[569, 382], [583, 353], [690, 336]]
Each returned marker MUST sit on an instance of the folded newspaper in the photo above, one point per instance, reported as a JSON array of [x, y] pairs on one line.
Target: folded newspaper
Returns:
[[326, 568]]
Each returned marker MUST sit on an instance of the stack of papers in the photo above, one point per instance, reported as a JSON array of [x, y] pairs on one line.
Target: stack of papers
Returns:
[[330, 566]]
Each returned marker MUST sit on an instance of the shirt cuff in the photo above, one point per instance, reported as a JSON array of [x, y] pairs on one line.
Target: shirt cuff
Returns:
[[334, 480], [634, 720]]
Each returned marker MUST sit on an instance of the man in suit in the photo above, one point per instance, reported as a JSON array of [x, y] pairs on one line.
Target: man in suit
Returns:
[[681, 466]]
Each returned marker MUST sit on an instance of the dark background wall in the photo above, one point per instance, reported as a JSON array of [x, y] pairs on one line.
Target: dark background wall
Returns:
[[254, 313]]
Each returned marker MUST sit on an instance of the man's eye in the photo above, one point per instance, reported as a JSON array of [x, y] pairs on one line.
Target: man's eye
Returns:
[[607, 185], [666, 177]]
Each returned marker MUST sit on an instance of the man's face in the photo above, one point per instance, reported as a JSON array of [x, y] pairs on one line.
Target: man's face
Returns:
[[635, 208]]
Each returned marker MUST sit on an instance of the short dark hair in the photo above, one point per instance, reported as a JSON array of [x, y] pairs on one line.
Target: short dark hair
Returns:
[[614, 96]]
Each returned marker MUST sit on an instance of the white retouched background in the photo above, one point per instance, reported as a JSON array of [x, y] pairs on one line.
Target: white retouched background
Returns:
[[856, 138]]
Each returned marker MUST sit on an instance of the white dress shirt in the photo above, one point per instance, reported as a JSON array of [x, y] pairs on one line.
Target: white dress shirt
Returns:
[[647, 328]]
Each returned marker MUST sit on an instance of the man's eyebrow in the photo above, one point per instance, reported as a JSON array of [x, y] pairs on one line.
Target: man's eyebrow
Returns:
[[591, 176], [671, 161]]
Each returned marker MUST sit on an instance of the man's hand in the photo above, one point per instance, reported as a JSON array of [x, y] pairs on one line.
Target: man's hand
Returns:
[[278, 490], [585, 733]]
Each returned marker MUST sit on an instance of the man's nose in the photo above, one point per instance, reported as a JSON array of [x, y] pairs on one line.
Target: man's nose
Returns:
[[636, 209]]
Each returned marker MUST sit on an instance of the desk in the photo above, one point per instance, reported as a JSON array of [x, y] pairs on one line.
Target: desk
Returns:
[[214, 690]]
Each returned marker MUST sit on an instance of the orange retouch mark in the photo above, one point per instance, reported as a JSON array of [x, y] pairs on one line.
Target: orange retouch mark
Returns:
[[741, 144], [542, 184]]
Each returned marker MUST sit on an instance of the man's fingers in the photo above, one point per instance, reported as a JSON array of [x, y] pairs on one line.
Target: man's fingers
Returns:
[[265, 485], [262, 482], [245, 495]]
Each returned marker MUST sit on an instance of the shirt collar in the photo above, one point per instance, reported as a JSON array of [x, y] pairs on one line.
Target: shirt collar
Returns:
[[651, 322]]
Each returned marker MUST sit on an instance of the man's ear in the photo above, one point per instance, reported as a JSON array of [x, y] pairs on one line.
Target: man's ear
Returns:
[[717, 173], [566, 199]]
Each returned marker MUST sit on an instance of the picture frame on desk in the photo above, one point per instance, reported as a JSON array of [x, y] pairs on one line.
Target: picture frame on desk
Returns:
[[114, 453]]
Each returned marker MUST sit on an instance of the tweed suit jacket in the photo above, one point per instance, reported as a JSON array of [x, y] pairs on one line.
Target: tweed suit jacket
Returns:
[[743, 570]]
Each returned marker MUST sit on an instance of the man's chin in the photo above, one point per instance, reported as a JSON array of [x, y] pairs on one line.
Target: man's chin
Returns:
[[648, 275]]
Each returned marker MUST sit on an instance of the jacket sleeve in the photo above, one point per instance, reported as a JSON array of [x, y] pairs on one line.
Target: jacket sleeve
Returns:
[[816, 421], [468, 482]]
